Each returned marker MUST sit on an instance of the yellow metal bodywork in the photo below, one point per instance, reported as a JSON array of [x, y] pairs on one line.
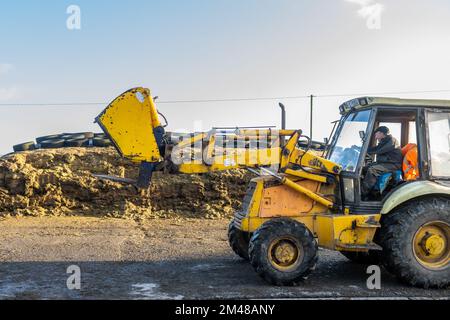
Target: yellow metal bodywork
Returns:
[[235, 159], [306, 175], [285, 201], [346, 232], [311, 194], [129, 122], [334, 231], [312, 161]]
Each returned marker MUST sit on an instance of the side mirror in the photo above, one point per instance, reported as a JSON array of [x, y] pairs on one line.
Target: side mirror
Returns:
[[326, 140], [362, 135]]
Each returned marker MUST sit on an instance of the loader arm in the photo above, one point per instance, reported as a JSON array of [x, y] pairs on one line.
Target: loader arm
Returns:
[[131, 122]]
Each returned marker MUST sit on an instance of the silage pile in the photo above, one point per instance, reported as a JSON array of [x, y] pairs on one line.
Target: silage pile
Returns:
[[59, 182]]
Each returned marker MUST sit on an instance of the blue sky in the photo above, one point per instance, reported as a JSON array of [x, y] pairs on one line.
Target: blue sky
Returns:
[[202, 49]]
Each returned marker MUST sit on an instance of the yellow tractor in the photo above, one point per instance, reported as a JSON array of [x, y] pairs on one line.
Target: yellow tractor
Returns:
[[303, 198]]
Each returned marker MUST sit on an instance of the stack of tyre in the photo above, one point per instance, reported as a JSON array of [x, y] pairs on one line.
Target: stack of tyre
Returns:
[[66, 140]]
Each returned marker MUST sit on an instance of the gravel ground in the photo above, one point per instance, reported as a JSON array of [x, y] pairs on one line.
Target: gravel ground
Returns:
[[159, 259]]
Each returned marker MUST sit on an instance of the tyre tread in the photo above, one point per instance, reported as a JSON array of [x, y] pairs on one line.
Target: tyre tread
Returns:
[[292, 227], [394, 226]]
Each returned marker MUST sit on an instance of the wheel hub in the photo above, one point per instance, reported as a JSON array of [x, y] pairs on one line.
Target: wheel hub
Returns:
[[284, 254], [431, 245]]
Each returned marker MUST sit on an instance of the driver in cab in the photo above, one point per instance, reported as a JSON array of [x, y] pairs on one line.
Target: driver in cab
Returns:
[[389, 158]]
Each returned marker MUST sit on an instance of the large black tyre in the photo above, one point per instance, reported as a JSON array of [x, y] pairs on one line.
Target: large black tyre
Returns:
[[99, 135], [74, 136], [51, 137], [283, 252], [405, 243], [238, 241], [370, 258], [76, 143], [24, 147], [101, 142], [87, 135], [52, 144]]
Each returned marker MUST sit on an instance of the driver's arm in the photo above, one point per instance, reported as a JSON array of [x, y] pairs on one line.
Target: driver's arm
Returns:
[[381, 148]]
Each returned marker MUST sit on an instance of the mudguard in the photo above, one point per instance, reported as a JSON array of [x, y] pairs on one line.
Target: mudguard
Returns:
[[413, 190]]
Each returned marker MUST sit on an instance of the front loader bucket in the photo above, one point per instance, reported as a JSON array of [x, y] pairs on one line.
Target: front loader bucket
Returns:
[[131, 121]]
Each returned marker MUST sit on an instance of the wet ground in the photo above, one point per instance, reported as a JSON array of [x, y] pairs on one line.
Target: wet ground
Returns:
[[160, 259]]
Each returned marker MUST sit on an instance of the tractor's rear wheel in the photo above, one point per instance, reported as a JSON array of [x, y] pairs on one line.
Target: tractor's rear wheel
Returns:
[[238, 240], [371, 257], [416, 243], [283, 252]]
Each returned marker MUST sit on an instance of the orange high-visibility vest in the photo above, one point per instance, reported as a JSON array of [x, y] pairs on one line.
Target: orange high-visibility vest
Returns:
[[410, 162]]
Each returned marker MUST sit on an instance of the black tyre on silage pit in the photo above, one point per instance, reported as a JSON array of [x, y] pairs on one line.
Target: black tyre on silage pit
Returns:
[[27, 146], [76, 143], [52, 144], [50, 137], [101, 142]]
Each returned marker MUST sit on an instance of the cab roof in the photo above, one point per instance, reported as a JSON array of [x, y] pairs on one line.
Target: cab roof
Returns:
[[364, 102]]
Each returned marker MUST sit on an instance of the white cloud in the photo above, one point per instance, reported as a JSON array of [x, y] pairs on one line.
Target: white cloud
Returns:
[[5, 68], [374, 9], [7, 94], [371, 11], [361, 2]]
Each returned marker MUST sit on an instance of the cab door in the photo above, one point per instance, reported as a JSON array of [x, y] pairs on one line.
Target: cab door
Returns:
[[438, 132], [348, 149]]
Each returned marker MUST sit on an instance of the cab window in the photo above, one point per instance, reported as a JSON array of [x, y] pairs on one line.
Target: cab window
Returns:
[[439, 139], [395, 129], [348, 146]]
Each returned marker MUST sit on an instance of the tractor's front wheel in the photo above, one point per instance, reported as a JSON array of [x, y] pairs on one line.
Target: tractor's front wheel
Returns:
[[416, 243], [283, 252], [238, 240]]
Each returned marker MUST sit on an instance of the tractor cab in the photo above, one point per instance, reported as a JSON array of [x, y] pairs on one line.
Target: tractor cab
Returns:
[[422, 130]]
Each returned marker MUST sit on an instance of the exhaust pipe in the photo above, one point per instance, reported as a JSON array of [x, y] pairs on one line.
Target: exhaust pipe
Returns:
[[283, 116]]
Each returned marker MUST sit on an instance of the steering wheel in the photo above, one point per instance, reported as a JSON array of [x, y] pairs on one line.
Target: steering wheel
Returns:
[[368, 159]]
